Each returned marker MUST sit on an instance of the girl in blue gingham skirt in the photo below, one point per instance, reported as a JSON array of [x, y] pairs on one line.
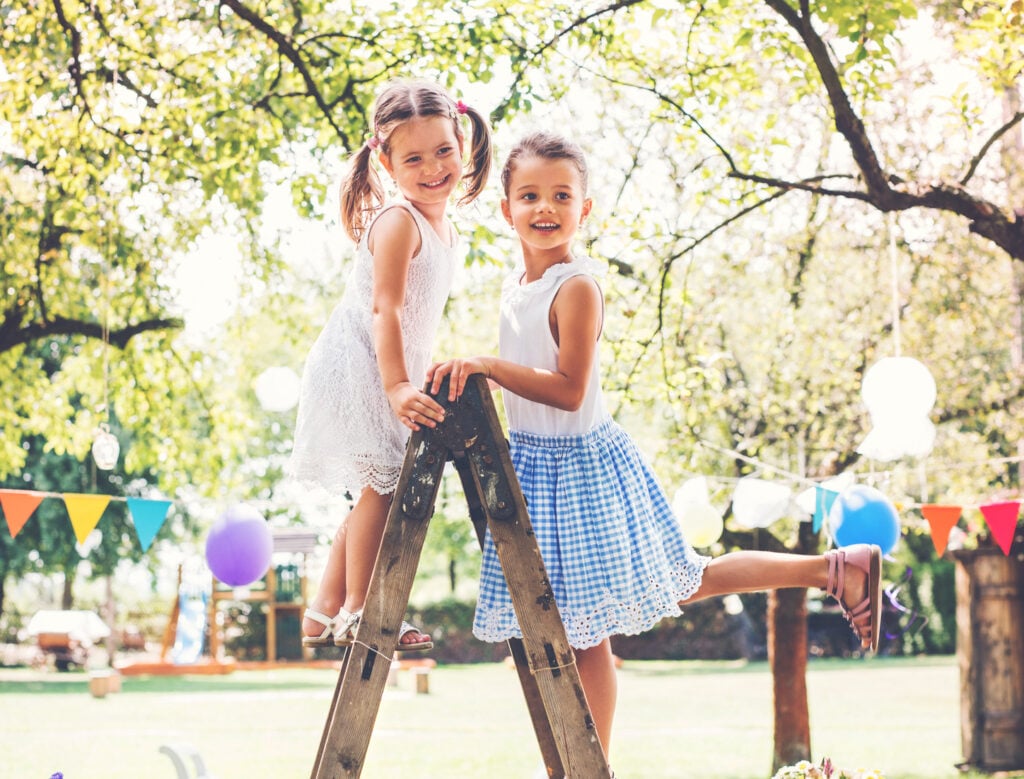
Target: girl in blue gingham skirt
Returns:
[[612, 547]]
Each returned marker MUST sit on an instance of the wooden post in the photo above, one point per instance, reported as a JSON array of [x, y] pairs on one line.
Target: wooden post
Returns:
[[271, 585], [990, 649]]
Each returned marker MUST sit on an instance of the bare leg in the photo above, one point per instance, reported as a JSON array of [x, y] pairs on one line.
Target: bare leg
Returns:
[[753, 571], [748, 571], [365, 531], [597, 674], [330, 594]]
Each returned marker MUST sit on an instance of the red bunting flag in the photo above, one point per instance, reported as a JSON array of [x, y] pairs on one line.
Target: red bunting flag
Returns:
[[941, 520], [1002, 521], [18, 506]]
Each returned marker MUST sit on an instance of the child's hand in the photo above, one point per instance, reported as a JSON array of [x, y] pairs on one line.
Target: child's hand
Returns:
[[459, 370], [414, 408]]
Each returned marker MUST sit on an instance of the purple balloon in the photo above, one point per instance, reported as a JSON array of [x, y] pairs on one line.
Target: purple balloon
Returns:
[[239, 546]]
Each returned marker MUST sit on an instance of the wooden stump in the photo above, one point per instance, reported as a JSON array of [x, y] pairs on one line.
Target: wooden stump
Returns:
[[990, 650]]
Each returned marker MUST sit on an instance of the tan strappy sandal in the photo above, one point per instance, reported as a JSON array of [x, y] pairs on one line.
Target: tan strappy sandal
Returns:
[[865, 617]]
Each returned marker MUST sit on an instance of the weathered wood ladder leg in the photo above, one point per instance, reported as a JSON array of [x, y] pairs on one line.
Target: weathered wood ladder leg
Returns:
[[471, 435]]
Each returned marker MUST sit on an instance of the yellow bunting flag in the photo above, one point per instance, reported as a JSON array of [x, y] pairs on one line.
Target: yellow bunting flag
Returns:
[[18, 506], [85, 512], [941, 520]]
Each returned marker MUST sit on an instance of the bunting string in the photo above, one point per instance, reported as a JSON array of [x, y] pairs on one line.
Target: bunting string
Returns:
[[85, 512], [148, 515], [872, 474]]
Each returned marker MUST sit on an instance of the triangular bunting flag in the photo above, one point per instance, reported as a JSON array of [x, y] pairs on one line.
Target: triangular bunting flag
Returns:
[[18, 506], [85, 512], [941, 520], [1002, 521], [823, 500], [148, 516]]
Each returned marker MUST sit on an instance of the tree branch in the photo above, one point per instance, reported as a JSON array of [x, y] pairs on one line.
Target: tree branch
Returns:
[[530, 57], [888, 192], [292, 54], [1015, 119], [75, 66], [63, 326]]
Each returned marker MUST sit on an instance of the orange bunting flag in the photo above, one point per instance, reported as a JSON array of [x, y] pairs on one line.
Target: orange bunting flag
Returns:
[[18, 506], [1002, 521], [941, 520], [85, 512]]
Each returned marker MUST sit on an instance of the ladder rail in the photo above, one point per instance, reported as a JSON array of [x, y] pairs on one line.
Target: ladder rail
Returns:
[[472, 436]]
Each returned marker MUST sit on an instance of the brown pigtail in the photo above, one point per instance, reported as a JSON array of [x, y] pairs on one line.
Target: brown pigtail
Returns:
[[361, 193], [479, 155]]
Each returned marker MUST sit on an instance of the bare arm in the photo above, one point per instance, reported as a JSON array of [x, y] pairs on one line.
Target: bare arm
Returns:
[[395, 240], [575, 319]]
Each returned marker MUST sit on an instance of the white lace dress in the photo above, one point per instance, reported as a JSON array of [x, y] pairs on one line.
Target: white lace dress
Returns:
[[346, 435]]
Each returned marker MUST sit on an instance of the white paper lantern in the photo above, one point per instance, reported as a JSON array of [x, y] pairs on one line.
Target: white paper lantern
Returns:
[[759, 503], [105, 449], [693, 490], [898, 387], [807, 500], [899, 393], [892, 440]]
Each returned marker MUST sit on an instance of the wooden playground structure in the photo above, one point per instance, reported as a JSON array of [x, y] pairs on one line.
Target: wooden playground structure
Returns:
[[282, 592]]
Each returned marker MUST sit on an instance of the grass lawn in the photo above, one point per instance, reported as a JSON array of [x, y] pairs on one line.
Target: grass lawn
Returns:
[[707, 720]]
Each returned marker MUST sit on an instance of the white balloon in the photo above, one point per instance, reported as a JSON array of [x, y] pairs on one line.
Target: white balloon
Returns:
[[759, 503], [277, 389]]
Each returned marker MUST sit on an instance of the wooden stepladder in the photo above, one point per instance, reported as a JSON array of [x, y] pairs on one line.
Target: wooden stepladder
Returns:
[[471, 436]]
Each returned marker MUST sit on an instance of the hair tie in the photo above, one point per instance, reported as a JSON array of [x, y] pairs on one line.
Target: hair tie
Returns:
[[461, 107], [373, 142]]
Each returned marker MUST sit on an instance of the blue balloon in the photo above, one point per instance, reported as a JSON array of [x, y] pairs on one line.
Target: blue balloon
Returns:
[[863, 515], [239, 546]]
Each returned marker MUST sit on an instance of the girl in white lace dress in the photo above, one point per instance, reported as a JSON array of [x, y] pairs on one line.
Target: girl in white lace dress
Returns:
[[613, 551], [361, 385]]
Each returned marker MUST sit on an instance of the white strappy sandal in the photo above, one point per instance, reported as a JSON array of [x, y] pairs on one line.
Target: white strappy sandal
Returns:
[[345, 625], [348, 621], [326, 637]]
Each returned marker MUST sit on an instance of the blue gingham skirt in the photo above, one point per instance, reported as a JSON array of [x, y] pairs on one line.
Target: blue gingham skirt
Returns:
[[614, 552]]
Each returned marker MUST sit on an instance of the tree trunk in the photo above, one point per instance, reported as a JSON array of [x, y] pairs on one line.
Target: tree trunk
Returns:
[[67, 598], [787, 656]]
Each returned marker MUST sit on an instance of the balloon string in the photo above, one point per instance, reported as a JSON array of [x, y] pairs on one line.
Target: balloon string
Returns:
[[894, 262], [911, 624]]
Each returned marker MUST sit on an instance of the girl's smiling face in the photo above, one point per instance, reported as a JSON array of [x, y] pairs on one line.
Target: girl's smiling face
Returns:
[[425, 158], [546, 202]]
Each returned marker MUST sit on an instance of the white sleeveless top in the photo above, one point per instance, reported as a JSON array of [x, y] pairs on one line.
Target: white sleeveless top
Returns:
[[525, 338]]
